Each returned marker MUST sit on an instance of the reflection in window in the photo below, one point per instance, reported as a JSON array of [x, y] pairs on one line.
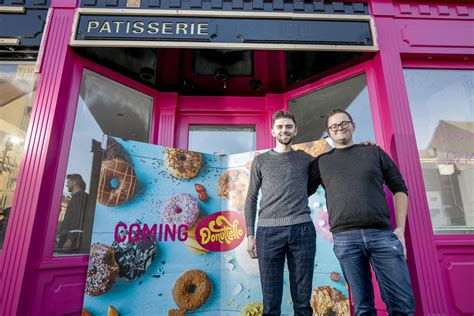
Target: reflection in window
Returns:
[[105, 107], [17, 86], [222, 139], [310, 110], [442, 107]]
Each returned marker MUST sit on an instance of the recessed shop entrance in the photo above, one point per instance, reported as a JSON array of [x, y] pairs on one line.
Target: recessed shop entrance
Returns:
[[212, 101]]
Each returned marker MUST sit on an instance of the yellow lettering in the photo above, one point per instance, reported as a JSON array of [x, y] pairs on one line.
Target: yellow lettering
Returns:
[[221, 231]]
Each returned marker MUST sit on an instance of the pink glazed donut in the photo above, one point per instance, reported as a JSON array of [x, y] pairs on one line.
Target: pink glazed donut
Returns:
[[180, 209], [322, 224]]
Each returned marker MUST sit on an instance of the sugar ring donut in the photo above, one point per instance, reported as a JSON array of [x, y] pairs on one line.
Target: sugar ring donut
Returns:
[[182, 164], [102, 271], [117, 182], [180, 209], [314, 148], [232, 186], [192, 289], [328, 300]]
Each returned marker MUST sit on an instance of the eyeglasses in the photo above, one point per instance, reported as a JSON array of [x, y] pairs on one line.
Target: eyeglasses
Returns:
[[343, 124]]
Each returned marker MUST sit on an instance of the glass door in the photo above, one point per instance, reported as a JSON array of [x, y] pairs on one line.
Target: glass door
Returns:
[[347, 90]]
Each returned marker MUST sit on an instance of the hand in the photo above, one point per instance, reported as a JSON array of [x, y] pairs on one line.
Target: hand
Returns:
[[400, 233], [252, 247], [367, 143]]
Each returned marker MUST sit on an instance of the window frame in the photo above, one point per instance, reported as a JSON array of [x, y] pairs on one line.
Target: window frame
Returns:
[[446, 64], [64, 148]]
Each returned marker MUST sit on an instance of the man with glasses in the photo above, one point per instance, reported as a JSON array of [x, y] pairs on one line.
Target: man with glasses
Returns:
[[353, 176]]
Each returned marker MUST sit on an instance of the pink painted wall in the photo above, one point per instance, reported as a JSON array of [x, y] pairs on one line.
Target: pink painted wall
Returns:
[[34, 282], [421, 31]]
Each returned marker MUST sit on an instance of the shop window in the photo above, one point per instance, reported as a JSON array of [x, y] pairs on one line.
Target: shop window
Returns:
[[104, 107], [17, 86], [442, 108], [310, 110], [222, 139]]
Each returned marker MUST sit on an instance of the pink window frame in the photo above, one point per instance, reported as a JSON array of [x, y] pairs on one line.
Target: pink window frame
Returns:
[[224, 110], [77, 73], [442, 65]]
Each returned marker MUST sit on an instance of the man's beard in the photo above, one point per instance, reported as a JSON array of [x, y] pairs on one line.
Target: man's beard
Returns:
[[281, 141]]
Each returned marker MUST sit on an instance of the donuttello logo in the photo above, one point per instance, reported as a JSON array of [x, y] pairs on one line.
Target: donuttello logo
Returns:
[[222, 231]]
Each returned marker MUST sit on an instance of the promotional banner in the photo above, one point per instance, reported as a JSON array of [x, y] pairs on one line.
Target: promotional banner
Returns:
[[169, 237]]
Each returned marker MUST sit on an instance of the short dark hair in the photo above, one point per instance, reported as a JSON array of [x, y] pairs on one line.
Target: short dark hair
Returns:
[[334, 112], [282, 114], [77, 179]]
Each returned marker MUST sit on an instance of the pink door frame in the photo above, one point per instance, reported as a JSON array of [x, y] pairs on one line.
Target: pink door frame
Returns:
[[405, 31], [368, 70]]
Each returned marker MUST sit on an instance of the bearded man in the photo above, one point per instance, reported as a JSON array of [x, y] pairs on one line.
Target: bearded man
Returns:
[[285, 228]]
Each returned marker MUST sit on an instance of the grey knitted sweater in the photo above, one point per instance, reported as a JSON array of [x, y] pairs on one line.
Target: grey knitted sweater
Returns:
[[283, 180]]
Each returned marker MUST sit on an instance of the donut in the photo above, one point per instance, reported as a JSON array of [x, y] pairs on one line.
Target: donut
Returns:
[[191, 243], [182, 164], [315, 148], [180, 209], [233, 185], [176, 312], [102, 269], [322, 224], [249, 163], [133, 258], [252, 309], [115, 150], [192, 289], [326, 300], [117, 182]]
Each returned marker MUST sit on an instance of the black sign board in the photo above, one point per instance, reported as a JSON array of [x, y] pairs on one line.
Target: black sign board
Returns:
[[285, 31], [25, 27]]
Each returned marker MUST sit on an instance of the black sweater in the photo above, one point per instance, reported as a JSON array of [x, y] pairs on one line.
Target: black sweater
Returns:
[[353, 179]]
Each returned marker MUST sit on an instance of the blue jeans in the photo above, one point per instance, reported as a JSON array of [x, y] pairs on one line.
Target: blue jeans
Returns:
[[356, 250], [298, 244]]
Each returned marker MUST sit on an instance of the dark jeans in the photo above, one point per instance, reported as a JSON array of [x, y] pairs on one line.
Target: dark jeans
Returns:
[[298, 244], [356, 250]]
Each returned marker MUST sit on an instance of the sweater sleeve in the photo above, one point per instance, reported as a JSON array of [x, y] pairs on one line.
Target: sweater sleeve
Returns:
[[314, 179], [392, 177], [252, 197]]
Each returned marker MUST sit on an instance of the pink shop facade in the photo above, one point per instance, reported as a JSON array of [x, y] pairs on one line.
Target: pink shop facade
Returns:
[[206, 76]]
